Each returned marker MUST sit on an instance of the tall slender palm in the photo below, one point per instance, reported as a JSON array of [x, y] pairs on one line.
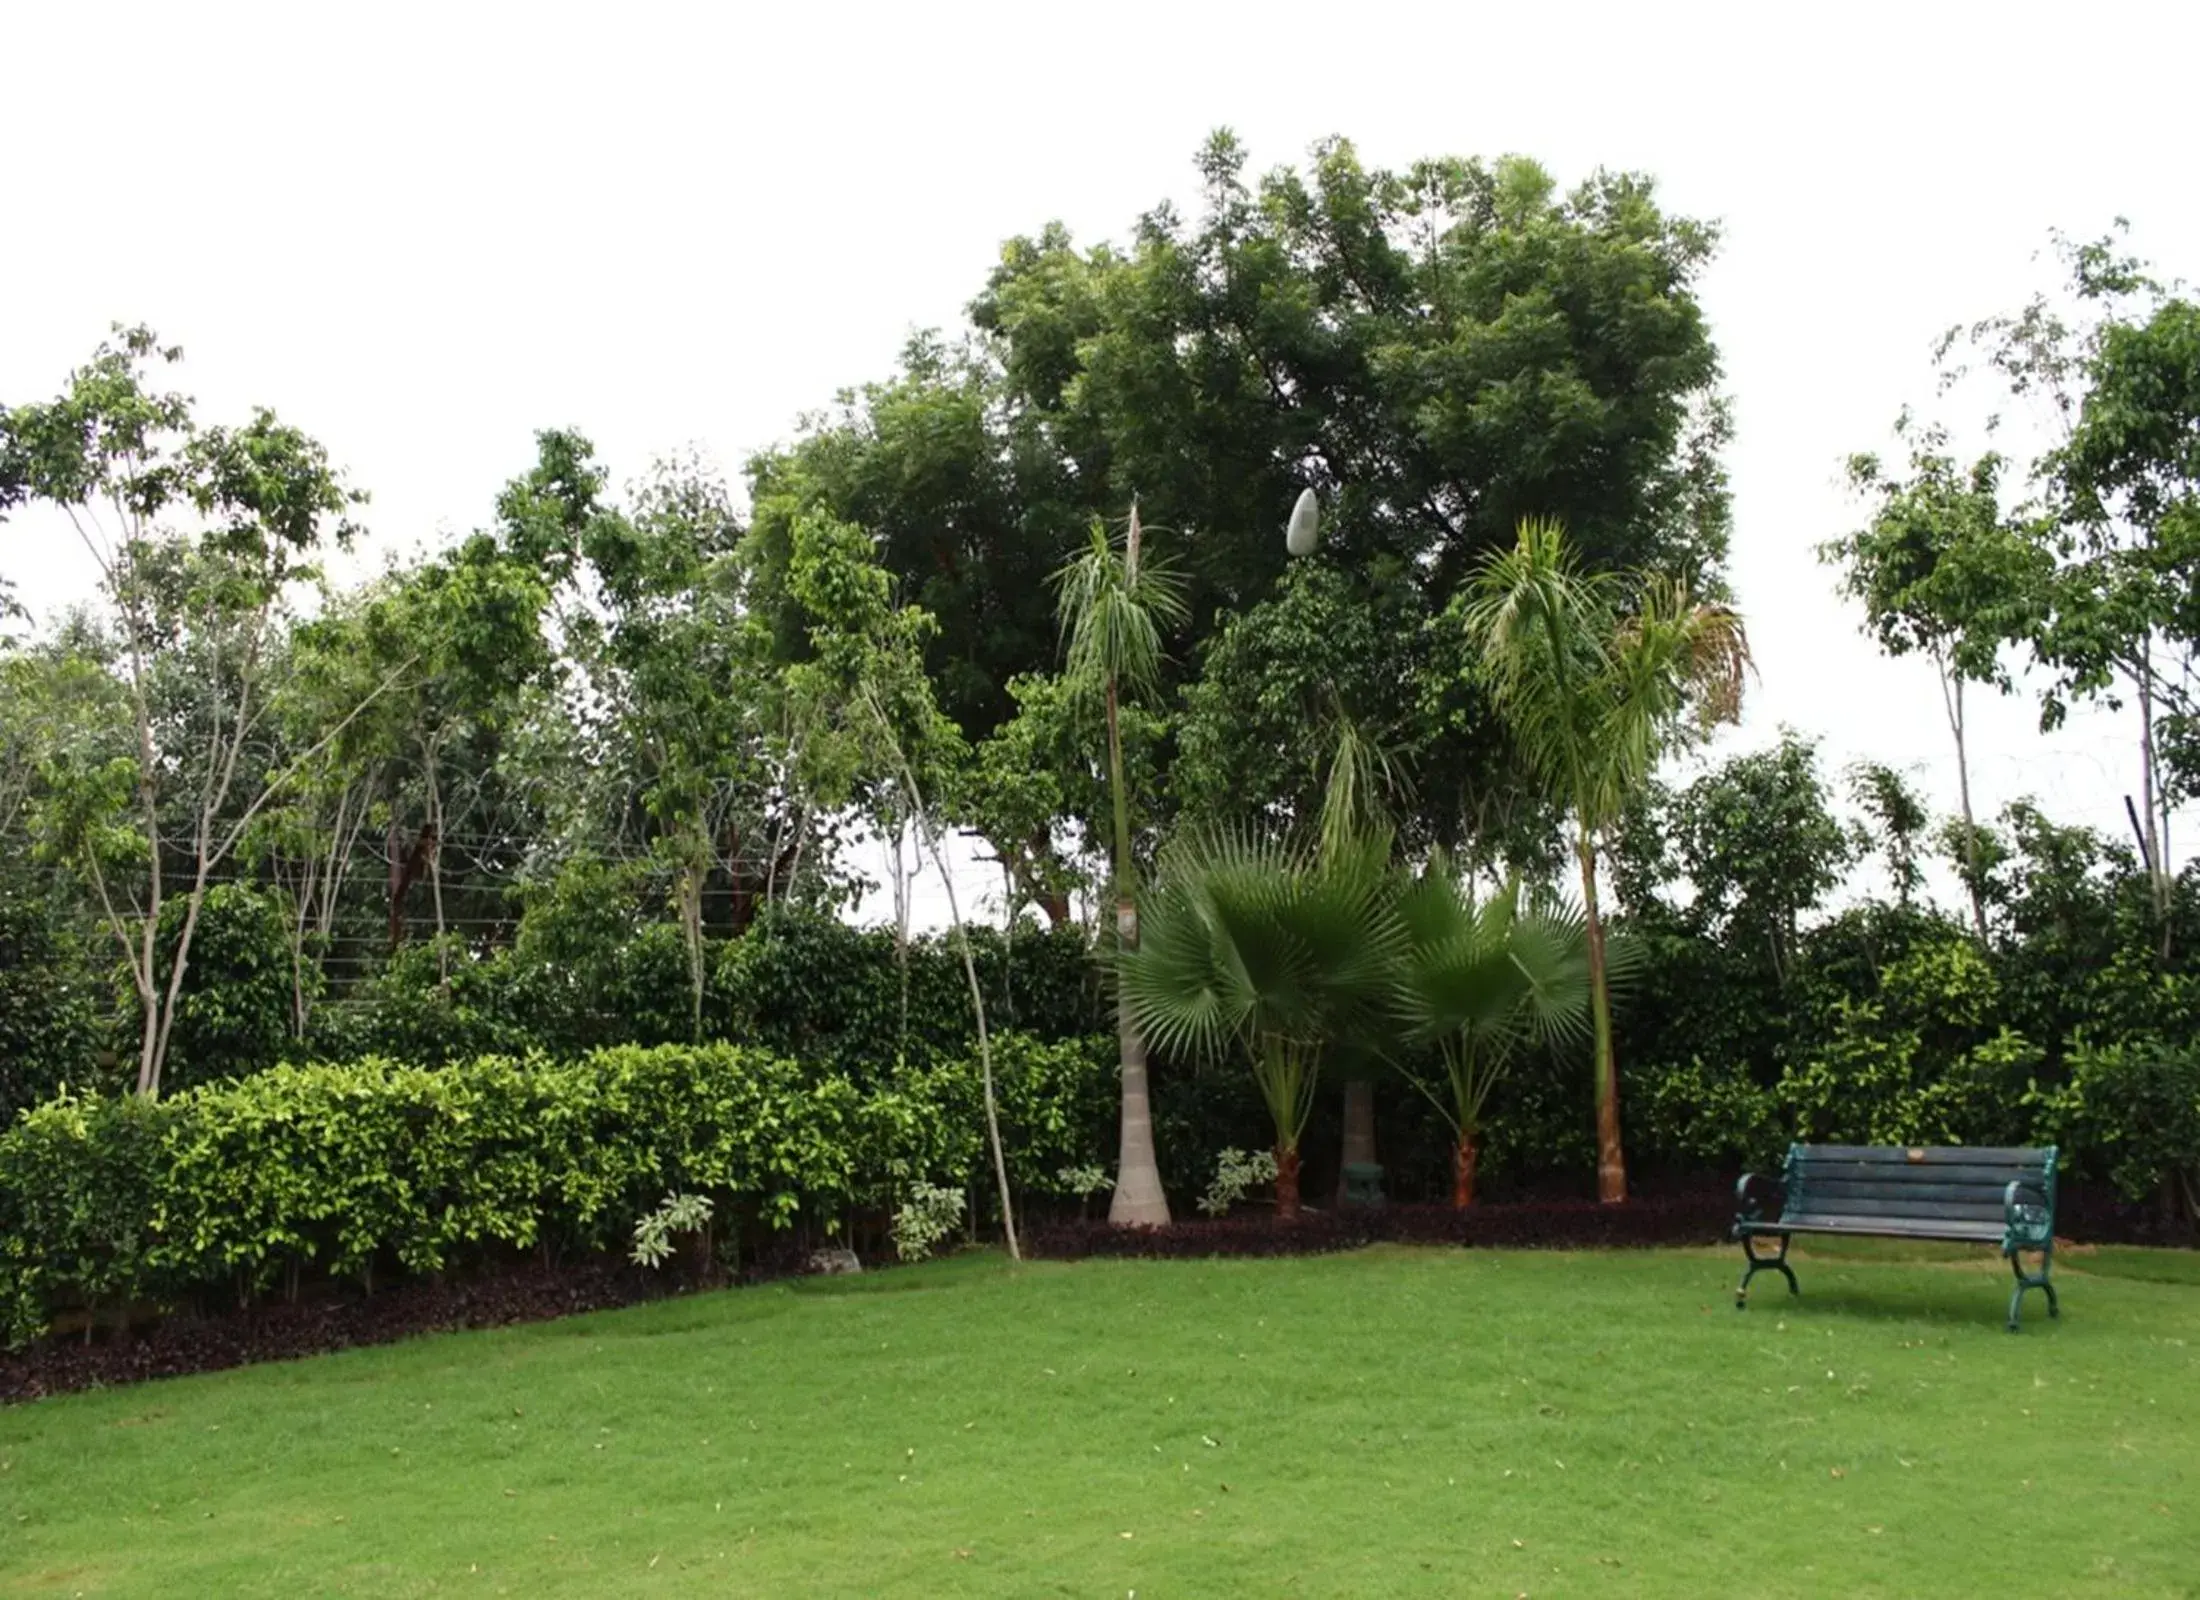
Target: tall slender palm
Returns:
[[1258, 946], [1114, 604], [1593, 688], [1479, 981]]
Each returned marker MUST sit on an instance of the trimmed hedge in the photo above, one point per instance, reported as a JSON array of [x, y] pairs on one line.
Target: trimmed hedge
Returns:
[[346, 1171]]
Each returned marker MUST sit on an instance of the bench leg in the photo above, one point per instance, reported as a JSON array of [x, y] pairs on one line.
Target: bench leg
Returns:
[[1757, 1264], [2031, 1280]]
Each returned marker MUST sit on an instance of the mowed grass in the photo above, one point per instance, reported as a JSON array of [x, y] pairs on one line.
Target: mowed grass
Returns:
[[1395, 1422]]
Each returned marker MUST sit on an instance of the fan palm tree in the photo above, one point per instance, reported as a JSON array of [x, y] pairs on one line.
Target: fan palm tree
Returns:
[[1113, 607], [1477, 983], [1256, 946], [1593, 689]]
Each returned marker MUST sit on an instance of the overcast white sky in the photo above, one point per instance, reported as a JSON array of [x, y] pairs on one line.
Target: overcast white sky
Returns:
[[424, 232]]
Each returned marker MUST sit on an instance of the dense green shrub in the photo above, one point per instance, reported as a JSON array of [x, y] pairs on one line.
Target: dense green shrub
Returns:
[[372, 1166], [234, 1009], [799, 983], [49, 1002], [2131, 1114]]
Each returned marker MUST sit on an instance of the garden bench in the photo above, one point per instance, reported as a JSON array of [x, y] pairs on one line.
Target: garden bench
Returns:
[[1976, 1196]]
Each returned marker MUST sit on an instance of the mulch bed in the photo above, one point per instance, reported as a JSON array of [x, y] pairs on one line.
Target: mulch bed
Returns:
[[197, 1342], [1561, 1225], [193, 1341]]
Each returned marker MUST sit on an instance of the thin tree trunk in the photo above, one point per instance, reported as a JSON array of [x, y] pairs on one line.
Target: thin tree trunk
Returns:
[[692, 869], [148, 1080], [1463, 1161], [435, 875], [931, 843], [308, 885], [1951, 700], [2158, 875], [1359, 1130], [1611, 1157], [901, 931]]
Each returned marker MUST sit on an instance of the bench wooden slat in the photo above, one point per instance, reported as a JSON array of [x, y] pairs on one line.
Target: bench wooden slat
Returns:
[[1920, 1195], [1853, 1205], [1857, 1172], [1926, 1155], [1893, 1227]]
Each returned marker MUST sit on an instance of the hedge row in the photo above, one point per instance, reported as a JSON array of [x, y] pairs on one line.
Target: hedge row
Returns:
[[348, 1170]]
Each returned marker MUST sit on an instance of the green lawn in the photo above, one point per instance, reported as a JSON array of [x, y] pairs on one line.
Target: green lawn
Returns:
[[1397, 1422]]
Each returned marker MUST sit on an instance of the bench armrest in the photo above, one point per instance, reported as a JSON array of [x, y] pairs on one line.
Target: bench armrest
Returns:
[[2028, 1216], [1758, 1198]]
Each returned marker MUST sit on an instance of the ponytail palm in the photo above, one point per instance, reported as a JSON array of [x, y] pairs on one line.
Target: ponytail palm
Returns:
[[1593, 689], [1114, 607], [1478, 982], [1258, 949]]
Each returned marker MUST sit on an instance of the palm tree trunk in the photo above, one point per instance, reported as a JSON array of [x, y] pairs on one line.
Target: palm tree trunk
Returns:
[[1138, 1200], [1287, 1181], [1463, 1162], [1611, 1157]]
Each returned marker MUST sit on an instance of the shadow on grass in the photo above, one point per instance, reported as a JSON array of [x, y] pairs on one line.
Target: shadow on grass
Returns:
[[1985, 1304], [2181, 1267]]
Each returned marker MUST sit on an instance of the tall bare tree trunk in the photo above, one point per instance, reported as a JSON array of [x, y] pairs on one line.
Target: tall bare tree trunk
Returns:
[[2151, 804], [1611, 1156], [901, 929], [435, 874], [1951, 700], [931, 844], [693, 867]]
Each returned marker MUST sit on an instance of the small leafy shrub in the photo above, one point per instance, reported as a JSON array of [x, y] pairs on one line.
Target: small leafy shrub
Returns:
[[1235, 1172], [1083, 1182], [931, 1214], [654, 1233], [1708, 1116]]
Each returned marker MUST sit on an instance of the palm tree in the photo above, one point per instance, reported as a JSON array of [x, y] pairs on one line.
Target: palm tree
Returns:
[[1593, 690], [1477, 982], [1254, 945], [1113, 609]]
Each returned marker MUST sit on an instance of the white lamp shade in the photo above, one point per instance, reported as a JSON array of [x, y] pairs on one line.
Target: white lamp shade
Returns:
[[1304, 530]]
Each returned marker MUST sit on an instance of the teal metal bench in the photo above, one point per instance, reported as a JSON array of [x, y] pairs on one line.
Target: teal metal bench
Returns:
[[2003, 1197]]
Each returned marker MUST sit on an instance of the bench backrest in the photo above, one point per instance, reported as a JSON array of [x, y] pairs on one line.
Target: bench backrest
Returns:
[[1940, 1182]]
